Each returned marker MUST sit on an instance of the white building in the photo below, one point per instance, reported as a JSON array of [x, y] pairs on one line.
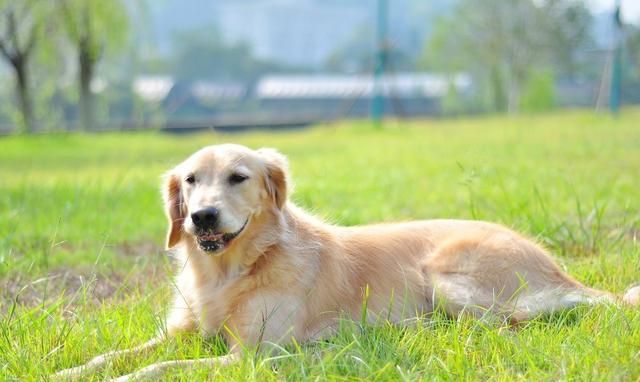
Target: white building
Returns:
[[336, 86]]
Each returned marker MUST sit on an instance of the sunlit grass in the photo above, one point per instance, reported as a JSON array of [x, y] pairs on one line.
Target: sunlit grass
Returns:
[[82, 269]]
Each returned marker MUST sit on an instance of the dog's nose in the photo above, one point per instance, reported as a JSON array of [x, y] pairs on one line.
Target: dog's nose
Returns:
[[205, 218]]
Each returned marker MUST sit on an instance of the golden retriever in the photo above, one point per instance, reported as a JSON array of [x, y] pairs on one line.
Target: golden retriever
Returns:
[[256, 269]]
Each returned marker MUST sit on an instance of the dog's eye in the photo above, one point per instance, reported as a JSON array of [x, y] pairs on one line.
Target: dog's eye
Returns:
[[191, 179], [236, 178]]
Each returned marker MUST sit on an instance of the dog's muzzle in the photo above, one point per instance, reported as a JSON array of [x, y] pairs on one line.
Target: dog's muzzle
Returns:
[[211, 241]]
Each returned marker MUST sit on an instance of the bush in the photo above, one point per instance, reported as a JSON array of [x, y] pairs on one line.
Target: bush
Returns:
[[539, 92]]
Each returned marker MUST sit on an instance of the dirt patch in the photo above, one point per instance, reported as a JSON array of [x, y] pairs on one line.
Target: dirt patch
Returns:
[[139, 249], [88, 286], [76, 287]]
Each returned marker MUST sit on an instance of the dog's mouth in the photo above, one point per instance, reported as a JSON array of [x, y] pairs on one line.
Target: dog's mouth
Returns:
[[211, 241]]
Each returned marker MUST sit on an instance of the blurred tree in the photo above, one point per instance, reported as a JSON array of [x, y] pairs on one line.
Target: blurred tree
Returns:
[[538, 94], [567, 35], [201, 54], [633, 46], [357, 54], [501, 42], [21, 23], [631, 65], [92, 27]]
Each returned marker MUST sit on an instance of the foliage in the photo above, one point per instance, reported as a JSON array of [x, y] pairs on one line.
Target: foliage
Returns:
[[356, 55], [22, 26], [633, 47], [500, 42], [539, 92], [82, 270], [92, 27], [202, 54], [37, 34], [568, 34]]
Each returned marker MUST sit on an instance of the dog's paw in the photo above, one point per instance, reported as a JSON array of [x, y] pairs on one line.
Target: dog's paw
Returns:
[[75, 373], [71, 374], [632, 296]]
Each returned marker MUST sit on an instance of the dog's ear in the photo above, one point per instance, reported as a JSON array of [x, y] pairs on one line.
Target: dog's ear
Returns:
[[277, 174], [174, 208]]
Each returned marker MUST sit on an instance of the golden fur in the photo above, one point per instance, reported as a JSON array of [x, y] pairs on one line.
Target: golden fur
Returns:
[[290, 275]]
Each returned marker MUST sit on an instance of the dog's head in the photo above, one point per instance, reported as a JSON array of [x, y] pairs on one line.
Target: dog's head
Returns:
[[215, 195]]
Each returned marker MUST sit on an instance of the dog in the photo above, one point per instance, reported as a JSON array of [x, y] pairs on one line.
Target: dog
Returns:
[[256, 269]]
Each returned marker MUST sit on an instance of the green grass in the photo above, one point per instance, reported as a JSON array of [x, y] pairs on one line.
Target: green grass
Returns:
[[82, 270]]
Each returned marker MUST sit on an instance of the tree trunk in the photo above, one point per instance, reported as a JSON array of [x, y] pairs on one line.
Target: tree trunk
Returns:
[[498, 90], [513, 106], [24, 96], [518, 80], [86, 66]]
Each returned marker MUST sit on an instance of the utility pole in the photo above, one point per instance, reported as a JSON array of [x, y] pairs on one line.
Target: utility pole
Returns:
[[377, 102], [616, 70]]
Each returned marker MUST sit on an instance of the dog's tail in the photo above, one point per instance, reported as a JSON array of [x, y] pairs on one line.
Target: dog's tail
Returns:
[[632, 296]]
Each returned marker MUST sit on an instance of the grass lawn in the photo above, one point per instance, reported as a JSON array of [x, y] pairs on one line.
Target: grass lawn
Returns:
[[83, 271]]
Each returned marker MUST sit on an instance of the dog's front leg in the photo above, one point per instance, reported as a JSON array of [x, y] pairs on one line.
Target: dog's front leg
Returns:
[[158, 369], [103, 360]]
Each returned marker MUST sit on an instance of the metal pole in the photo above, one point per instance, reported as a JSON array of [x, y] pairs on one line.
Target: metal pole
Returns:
[[616, 72], [377, 104]]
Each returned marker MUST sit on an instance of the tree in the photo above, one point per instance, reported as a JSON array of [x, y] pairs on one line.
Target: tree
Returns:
[[356, 55], [21, 23], [633, 46], [502, 42], [92, 27], [201, 54], [568, 35]]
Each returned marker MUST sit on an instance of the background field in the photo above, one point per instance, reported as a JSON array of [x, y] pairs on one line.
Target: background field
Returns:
[[83, 271]]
